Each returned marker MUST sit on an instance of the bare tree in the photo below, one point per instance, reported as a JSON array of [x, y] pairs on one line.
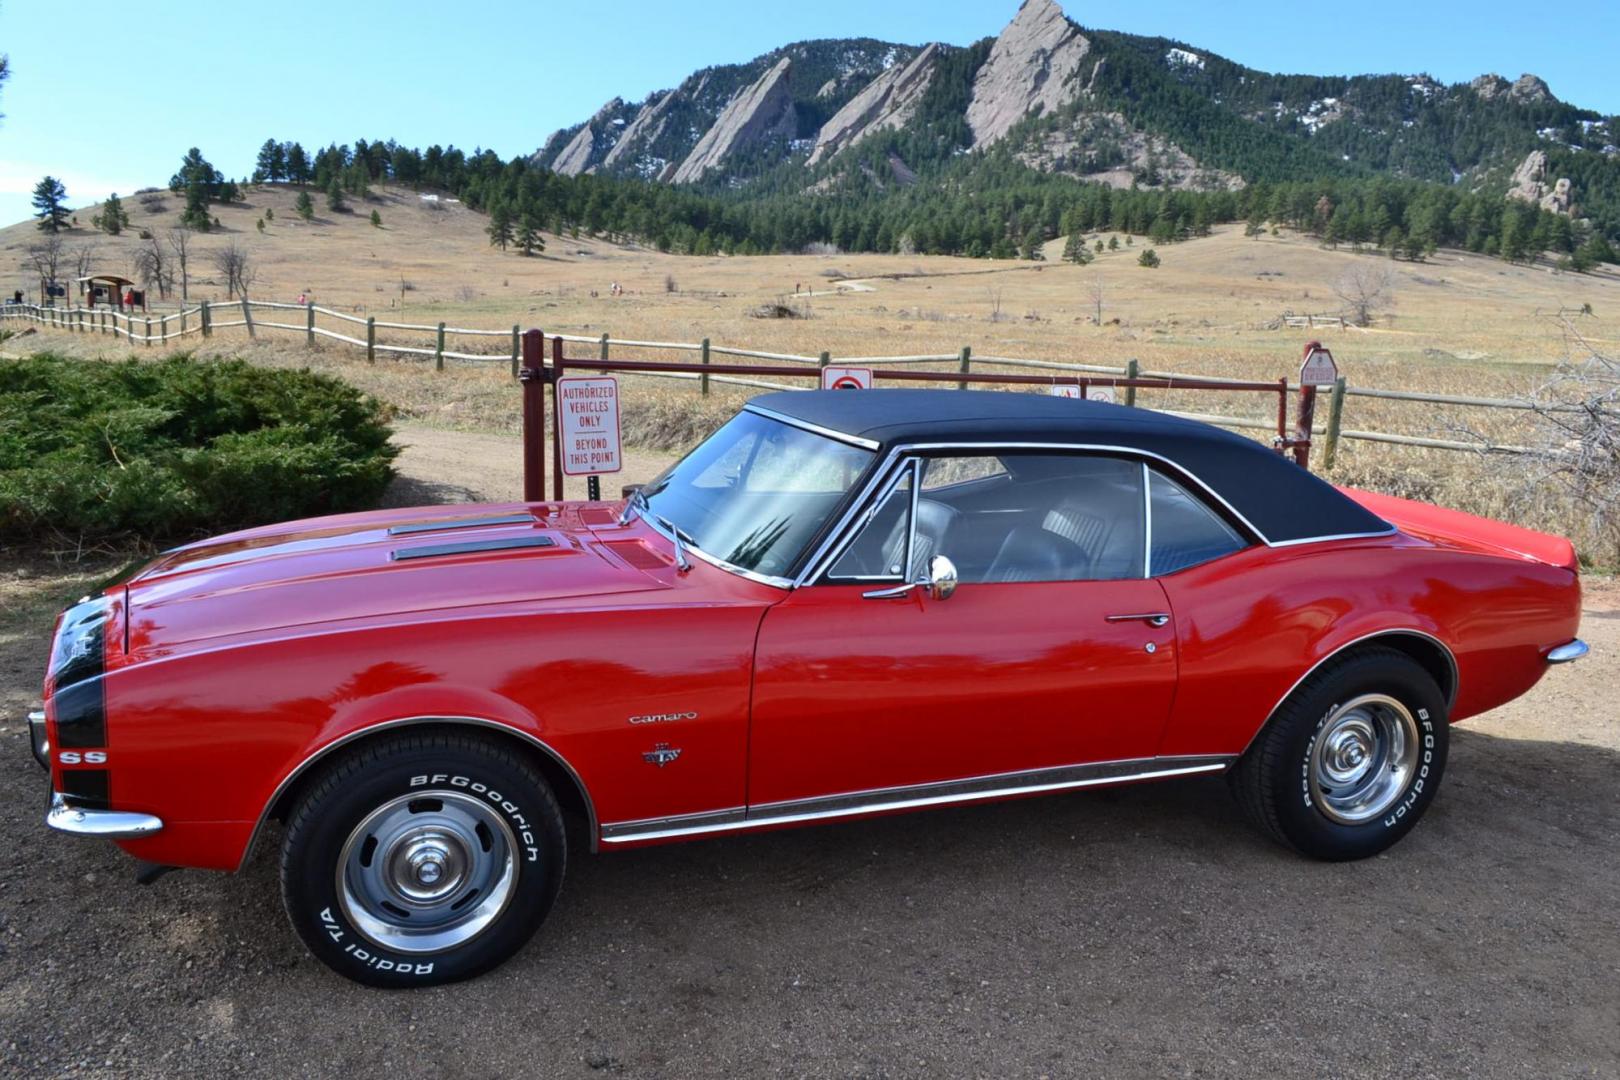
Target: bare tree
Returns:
[[1097, 299], [1564, 472], [995, 303], [179, 241], [45, 256], [84, 260], [1364, 290], [154, 267], [235, 264]]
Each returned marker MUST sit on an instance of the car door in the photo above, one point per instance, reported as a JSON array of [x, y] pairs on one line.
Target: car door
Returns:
[[1055, 650]]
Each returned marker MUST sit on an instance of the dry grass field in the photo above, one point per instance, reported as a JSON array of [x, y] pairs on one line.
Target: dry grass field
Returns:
[[1457, 323]]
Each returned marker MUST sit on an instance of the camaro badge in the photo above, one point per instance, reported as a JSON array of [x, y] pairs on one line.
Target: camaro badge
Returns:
[[661, 755]]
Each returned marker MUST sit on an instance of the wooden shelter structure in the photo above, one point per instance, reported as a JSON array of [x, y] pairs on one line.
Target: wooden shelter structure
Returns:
[[111, 289]]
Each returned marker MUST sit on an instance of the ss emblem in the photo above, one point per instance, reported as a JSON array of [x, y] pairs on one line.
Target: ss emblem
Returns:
[[88, 757]]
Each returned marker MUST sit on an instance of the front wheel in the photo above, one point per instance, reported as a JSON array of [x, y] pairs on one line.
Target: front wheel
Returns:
[[1351, 760], [422, 859]]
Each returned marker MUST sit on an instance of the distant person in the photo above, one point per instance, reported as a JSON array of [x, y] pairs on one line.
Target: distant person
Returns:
[[129, 299], [302, 299]]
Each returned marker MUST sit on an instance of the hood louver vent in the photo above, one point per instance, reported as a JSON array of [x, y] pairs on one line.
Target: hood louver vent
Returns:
[[465, 547]]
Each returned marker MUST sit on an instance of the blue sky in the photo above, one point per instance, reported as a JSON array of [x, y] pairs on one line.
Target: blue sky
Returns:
[[110, 96]]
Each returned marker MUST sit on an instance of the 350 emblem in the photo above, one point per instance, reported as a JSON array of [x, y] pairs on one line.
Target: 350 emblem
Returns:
[[86, 757]]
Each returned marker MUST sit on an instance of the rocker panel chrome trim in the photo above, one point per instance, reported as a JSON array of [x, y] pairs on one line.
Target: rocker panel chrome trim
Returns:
[[1030, 782], [319, 755]]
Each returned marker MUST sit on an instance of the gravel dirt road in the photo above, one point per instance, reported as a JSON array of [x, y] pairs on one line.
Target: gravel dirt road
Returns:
[[1142, 931]]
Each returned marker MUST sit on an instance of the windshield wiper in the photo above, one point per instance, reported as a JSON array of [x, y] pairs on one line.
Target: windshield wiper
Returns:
[[638, 502], [682, 563]]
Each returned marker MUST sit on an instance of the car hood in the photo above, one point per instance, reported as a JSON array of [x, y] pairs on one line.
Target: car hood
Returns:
[[361, 566]]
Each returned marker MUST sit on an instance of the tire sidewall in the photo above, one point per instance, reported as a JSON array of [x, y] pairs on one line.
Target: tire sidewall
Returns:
[[311, 890], [1305, 824]]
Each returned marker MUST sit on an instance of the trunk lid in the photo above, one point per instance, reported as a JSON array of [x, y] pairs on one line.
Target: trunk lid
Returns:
[[1455, 529]]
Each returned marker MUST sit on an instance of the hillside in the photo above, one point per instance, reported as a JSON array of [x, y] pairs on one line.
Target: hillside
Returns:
[[1209, 307]]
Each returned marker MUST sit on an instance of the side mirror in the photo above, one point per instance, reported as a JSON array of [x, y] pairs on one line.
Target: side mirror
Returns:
[[940, 582], [941, 577]]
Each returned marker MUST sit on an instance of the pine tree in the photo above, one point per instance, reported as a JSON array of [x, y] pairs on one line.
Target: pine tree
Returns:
[[113, 218], [297, 164], [196, 212], [334, 195], [1076, 250], [272, 163], [305, 206], [1149, 258], [376, 220], [500, 226], [49, 195]]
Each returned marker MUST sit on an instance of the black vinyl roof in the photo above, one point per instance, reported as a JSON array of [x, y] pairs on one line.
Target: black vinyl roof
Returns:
[[1282, 501]]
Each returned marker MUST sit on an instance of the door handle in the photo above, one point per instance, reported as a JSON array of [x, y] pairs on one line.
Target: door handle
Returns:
[[1152, 618]]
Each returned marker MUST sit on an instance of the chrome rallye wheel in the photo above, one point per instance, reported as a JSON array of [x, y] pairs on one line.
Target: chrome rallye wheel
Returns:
[[1351, 760], [422, 859]]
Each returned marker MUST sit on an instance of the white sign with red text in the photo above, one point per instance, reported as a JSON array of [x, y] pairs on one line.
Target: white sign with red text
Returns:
[[1319, 368], [846, 378], [590, 425]]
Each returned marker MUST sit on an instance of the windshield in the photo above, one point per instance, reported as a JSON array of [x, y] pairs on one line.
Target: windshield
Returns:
[[756, 491]]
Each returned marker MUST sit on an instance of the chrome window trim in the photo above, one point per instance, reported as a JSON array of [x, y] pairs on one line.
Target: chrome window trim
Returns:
[[1147, 520], [1451, 661], [1391, 531], [875, 505], [316, 756], [914, 796], [805, 425], [847, 521]]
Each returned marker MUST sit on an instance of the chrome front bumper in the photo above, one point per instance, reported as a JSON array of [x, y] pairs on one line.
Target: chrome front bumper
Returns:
[[1564, 654], [38, 744], [106, 824]]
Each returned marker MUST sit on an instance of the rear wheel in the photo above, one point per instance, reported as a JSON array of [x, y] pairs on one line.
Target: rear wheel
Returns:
[[1351, 760], [422, 859]]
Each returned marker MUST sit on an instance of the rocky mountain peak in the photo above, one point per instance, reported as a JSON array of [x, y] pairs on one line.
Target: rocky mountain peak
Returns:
[[575, 158], [887, 102], [1530, 88], [1031, 66], [1489, 86], [760, 111]]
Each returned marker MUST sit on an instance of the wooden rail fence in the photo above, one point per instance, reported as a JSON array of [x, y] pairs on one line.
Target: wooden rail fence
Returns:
[[206, 317]]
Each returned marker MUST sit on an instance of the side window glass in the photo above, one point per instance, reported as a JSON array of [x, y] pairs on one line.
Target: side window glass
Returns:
[[1186, 531], [878, 552], [1058, 517]]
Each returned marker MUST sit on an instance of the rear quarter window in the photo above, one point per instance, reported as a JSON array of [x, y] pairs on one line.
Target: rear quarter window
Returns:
[[1185, 530]]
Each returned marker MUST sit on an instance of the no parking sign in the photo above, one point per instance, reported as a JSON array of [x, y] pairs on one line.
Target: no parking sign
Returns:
[[846, 378]]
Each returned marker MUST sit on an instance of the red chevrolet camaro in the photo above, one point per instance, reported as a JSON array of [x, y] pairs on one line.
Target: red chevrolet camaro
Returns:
[[839, 605]]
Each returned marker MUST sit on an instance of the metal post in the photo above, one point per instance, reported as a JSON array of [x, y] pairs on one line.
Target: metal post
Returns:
[[1282, 415], [309, 323], [438, 350], [1335, 415], [516, 344], [967, 365], [1132, 370], [1303, 422], [703, 379], [371, 339], [557, 365], [593, 488], [533, 377]]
